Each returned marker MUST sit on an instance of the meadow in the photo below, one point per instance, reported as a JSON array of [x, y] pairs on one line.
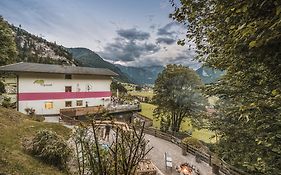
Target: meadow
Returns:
[[202, 134]]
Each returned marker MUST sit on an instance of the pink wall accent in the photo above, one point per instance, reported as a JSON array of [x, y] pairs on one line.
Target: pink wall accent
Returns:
[[61, 95]]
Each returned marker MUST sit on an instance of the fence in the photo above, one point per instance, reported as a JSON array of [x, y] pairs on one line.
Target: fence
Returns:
[[206, 157]]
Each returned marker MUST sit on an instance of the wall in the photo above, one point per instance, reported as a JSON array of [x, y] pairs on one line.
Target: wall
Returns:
[[36, 89]]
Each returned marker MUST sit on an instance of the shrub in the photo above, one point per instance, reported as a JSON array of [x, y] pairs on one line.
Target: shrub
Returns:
[[6, 103], [2, 88], [30, 111], [50, 148], [193, 142]]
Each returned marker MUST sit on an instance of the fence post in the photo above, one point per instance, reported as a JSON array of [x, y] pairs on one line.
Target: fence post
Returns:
[[187, 149], [210, 160]]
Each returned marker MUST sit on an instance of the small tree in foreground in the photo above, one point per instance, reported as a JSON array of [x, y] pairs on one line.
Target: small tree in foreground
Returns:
[[120, 157]]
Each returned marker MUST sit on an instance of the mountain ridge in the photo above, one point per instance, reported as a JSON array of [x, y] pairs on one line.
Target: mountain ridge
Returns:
[[88, 58]]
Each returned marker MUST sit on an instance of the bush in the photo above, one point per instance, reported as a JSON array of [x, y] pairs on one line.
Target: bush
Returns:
[[2, 88], [6, 103], [193, 142], [50, 148]]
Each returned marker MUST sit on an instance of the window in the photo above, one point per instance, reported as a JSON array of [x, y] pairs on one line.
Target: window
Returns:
[[79, 103], [67, 76], [68, 104], [68, 89], [49, 105]]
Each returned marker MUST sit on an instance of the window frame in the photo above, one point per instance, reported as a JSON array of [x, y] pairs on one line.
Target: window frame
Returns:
[[49, 102], [65, 88], [65, 104], [79, 101]]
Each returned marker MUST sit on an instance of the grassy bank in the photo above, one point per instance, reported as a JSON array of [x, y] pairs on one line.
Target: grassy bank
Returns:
[[203, 134], [148, 94], [14, 127]]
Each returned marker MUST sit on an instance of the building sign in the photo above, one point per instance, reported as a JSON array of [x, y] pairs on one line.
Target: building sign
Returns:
[[42, 83]]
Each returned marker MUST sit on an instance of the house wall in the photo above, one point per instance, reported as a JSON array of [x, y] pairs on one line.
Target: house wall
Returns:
[[37, 89]]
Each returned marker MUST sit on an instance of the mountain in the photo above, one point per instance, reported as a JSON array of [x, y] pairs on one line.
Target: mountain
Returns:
[[142, 75], [209, 75], [32, 48], [86, 57]]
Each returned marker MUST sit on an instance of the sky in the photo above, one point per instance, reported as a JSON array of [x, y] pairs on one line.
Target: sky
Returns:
[[128, 32]]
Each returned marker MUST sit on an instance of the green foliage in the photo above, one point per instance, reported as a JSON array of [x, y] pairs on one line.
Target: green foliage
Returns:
[[2, 87], [138, 88], [116, 85], [176, 95], [6, 103], [50, 148], [8, 50], [193, 142], [244, 39]]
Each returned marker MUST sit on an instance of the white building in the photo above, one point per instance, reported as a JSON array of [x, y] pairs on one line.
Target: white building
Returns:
[[48, 88]]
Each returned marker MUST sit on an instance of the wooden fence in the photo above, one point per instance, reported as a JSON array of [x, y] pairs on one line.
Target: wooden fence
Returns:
[[206, 157], [199, 154]]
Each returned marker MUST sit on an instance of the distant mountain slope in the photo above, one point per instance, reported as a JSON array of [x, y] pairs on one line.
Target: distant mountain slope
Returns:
[[32, 48], [209, 75], [86, 57], [142, 75]]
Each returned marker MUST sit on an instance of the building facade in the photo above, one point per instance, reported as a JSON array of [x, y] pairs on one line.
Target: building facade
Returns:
[[55, 87]]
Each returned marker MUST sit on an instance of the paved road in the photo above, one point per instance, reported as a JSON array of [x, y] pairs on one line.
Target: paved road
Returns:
[[161, 146]]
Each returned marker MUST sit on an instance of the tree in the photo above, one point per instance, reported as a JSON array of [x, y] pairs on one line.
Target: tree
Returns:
[[116, 85], [2, 88], [243, 38], [177, 95], [8, 50], [122, 156]]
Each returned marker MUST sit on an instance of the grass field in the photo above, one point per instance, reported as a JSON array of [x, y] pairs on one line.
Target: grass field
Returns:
[[203, 134], [15, 127], [148, 94]]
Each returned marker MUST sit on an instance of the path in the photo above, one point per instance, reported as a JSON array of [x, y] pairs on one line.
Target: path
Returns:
[[161, 146]]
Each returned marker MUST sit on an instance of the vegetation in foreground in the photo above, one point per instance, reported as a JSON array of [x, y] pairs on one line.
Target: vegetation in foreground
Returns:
[[15, 127], [244, 39], [122, 156]]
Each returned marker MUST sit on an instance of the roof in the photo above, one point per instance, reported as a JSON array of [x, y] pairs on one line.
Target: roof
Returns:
[[55, 69]]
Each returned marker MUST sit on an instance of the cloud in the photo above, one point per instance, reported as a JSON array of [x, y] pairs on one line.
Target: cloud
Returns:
[[124, 50], [168, 41], [166, 30], [133, 34]]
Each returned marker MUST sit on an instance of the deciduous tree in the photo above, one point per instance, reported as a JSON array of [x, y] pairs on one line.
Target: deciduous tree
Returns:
[[243, 38], [176, 95]]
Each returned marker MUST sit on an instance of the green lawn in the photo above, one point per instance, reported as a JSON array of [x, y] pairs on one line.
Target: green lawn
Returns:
[[148, 94], [15, 127], [203, 134]]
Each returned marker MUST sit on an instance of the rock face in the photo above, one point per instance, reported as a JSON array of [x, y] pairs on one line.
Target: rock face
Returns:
[[33, 48]]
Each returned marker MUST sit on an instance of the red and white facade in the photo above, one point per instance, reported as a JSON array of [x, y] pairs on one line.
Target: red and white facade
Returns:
[[49, 97], [48, 92]]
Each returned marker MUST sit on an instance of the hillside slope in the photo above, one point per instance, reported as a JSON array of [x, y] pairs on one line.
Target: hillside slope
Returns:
[[32, 48], [142, 75], [88, 58], [14, 127]]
